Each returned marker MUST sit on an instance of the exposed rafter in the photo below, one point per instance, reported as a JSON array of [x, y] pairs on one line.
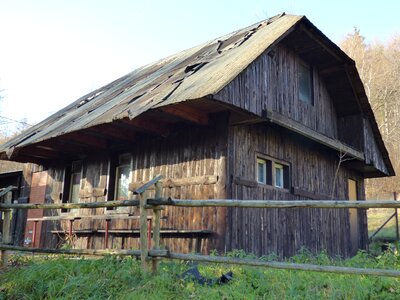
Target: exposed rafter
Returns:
[[149, 126], [187, 113]]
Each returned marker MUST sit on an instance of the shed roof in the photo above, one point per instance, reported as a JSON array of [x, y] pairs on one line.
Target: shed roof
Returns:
[[195, 73]]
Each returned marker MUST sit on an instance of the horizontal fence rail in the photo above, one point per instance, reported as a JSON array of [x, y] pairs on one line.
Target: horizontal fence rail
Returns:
[[275, 203], [213, 259], [158, 203], [212, 203]]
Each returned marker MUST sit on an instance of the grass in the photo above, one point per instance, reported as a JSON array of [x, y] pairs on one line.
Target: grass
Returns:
[[117, 278], [376, 217]]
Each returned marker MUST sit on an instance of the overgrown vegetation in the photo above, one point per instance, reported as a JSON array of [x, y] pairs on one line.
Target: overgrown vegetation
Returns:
[[117, 278]]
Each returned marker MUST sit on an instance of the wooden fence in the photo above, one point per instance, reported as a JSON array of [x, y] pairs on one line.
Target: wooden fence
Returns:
[[149, 257]]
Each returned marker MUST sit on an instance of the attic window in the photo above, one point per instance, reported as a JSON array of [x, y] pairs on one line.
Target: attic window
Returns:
[[305, 83]]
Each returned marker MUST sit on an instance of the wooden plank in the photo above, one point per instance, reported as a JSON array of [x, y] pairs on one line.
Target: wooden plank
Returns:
[[91, 217], [303, 193], [178, 182], [6, 190], [275, 203], [154, 127], [109, 131], [245, 182], [85, 139], [284, 265], [119, 252], [70, 205], [187, 113], [311, 134], [6, 228], [145, 186], [144, 248], [156, 226]]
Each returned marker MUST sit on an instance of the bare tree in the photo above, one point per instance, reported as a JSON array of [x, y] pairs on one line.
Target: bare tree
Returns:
[[379, 67]]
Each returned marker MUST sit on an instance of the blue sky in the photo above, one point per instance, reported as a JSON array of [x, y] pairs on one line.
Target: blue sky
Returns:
[[53, 52]]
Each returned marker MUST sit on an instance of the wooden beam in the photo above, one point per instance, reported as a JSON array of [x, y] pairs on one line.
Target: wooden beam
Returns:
[[321, 43], [268, 203], [177, 182], [85, 139], [112, 132], [101, 252], [40, 152], [149, 126], [331, 69], [307, 132], [284, 265], [186, 113]]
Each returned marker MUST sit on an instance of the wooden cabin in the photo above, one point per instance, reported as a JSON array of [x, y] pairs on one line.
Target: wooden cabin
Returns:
[[272, 111]]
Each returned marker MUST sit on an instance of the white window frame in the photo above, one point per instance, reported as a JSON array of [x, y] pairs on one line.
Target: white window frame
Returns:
[[264, 163], [278, 166], [273, 165]]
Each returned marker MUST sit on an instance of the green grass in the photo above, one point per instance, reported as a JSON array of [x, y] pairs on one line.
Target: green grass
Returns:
[[116, 278], [376, 217]]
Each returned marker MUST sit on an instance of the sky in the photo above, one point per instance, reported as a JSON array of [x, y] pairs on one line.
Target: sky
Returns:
[[54, 51]]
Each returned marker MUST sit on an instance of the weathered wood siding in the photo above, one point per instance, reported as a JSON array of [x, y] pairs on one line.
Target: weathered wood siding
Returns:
[[285, 231], [270, 83], [188, 152], [372, 154], [349, 129]]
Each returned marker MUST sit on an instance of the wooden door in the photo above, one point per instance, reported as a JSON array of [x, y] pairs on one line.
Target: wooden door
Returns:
[[353, 216], [37, 195]]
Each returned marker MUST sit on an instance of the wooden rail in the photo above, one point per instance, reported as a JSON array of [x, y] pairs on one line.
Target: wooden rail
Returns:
[[153, 203], [275, 203], [156, 204]]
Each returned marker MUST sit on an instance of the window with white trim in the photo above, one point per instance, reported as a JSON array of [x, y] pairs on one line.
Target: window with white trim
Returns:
[[272, 172]]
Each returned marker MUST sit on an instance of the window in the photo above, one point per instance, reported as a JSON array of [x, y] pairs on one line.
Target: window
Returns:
[[262, 170], [305, 83], [72, 183], [272, 172], [123, 171], [278, 170], [119, 178]]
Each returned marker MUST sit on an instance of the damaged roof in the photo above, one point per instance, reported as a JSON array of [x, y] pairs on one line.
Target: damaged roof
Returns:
[[190, 74], [195, 73]]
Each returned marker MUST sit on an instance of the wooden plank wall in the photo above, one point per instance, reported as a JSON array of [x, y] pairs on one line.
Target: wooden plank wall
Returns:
[[371, 150], [188, 152], [270, 82], [285, 231]]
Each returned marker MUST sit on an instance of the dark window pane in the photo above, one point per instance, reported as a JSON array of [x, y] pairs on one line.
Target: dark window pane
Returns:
[[305, 84]]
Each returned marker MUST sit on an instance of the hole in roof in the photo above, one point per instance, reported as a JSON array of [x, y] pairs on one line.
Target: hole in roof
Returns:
[[90, 98]]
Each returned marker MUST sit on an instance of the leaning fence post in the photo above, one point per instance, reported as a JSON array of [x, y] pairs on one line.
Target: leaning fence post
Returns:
[[144, 251], [6, 228], [156, 226]]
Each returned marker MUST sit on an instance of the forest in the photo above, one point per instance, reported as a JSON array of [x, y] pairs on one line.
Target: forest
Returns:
[[379, 67]]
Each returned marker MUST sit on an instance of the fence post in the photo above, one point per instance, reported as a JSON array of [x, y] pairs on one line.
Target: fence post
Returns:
[[397, 218], [6, 228], [144, 251], [156, 226]]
